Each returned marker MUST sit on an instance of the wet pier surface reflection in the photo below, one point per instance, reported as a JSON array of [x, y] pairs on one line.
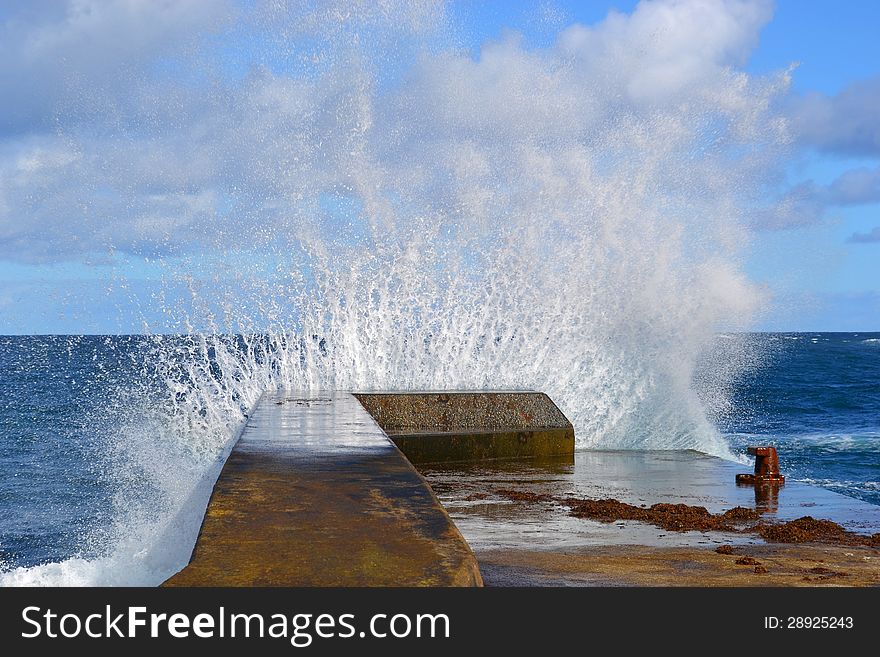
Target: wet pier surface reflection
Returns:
[[489, 520]]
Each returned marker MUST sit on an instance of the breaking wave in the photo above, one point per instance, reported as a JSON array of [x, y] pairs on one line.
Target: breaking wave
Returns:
[[371, 206]]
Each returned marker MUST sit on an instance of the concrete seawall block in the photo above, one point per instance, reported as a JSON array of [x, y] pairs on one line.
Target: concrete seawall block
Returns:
[[431, 427]]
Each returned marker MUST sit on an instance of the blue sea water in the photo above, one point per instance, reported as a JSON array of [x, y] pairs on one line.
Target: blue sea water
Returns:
[[817, 399], [54, 488], [815, 396]]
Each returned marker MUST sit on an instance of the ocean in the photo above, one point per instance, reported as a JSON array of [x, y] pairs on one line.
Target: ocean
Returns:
[[817, 399], [95, 483]]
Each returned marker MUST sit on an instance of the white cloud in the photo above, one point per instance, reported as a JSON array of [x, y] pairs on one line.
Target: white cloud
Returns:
[[847, 123], [807, 203], [856, 186], [802, 205], [156, 147], [871, 237], [57, 60], [665, 48]]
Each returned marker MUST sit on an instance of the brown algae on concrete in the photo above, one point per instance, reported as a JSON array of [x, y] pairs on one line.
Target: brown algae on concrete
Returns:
[[315, 494], [686, 517]]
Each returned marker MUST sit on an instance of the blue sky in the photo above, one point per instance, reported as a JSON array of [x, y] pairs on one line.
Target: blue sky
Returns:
[[70, 264], [835, 46]]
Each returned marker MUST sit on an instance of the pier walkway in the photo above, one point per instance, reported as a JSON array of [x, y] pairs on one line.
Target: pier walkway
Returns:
[[314, 493]]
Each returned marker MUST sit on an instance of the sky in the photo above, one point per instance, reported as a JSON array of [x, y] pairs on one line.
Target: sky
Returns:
[[93, 205]]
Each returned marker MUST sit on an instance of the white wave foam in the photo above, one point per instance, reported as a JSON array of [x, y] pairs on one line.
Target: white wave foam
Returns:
[[841, 484], [163, 469]]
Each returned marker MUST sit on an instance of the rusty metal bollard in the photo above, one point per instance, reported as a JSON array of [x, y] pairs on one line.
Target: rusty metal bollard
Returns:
[[766, 468]]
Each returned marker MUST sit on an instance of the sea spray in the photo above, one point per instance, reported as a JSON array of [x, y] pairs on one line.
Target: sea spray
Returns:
[[356, 202]]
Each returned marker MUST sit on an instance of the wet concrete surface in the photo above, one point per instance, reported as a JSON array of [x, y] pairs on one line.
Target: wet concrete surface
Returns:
[[315, 494], [528, 543], [637, 565], [491, 521]]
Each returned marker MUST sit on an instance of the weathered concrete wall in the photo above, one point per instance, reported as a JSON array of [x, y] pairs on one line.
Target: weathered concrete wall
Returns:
[[315, 494], [432, 427]]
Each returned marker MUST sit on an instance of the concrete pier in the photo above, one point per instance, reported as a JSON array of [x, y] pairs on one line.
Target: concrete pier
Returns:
[[320, 490], [315, 494]]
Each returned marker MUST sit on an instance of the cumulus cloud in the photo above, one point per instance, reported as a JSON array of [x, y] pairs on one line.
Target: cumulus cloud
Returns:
[[665, 55], [807, 203], [82, 55], [847, 123], [855, 187], [871, 237], [802, 205], [134, 130], [664, 48]]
